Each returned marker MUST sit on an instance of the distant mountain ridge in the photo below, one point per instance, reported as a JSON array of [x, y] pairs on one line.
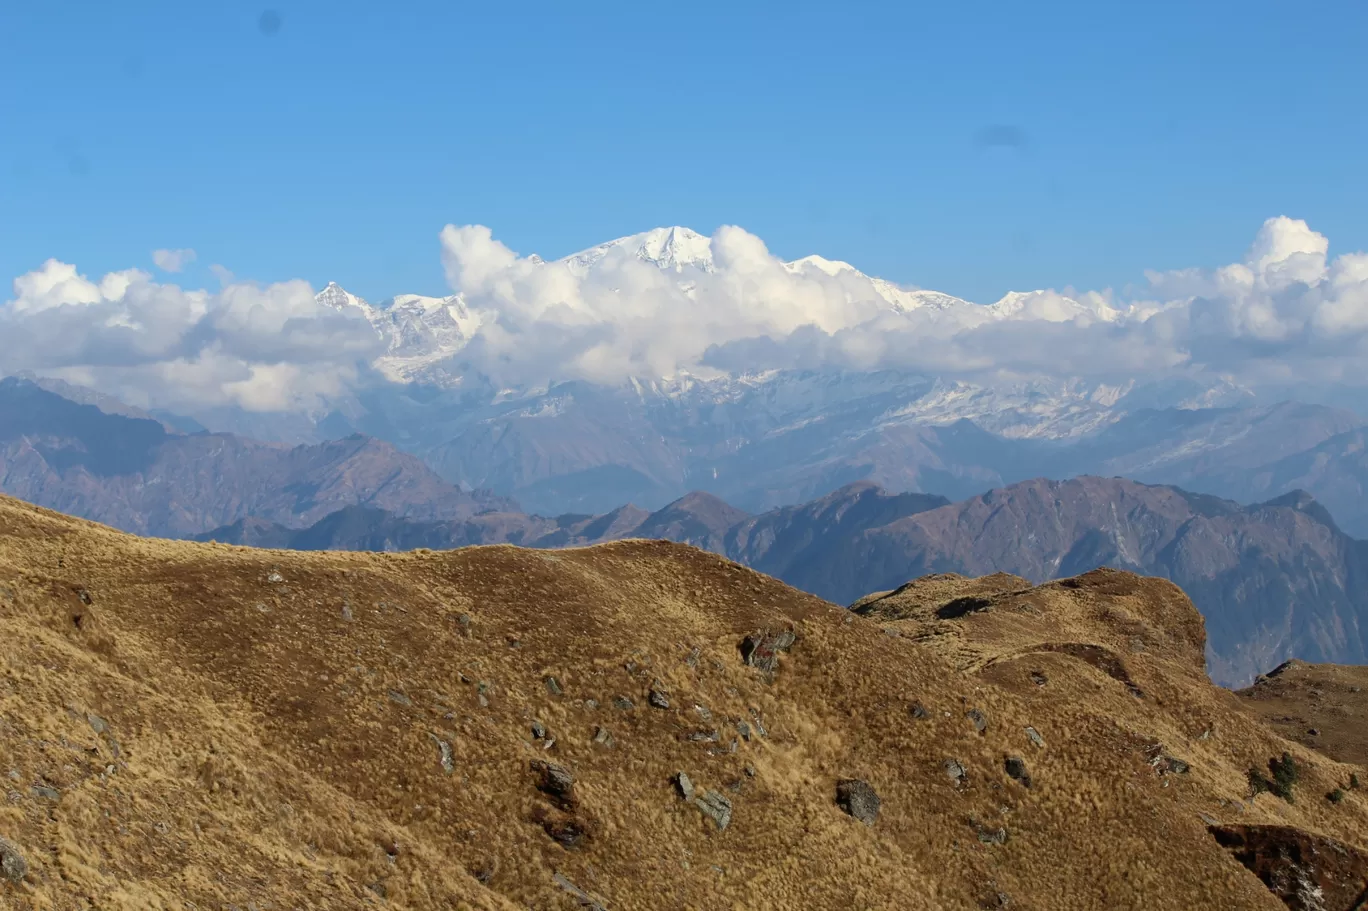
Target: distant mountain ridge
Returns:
[[135, 474], [1274, 580]]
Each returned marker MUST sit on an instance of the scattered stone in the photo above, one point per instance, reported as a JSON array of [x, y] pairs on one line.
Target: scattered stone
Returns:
[[704, 737], [919, 712], [858, 798], [45, 792], [568, 833], [586, 900], [744, 730], [1208, 819], [1314, 732], [97, 724], [715, 806], [347, 612], [979, 720], [703, 712], [378, 888], [12, 864], [1163, 763], [750, 771], [658, 697], [692, 660], [759, 728], [761, 650], [448, 762], [555, 781], [553, 686], [591, 704], [956, 770], [1034, 736], [990, 835], [684, 786], [1015, 767], [538, 730], [623, 703], [603, 737], [1039, 678], [400, 698], [275, 578], [463, 621]]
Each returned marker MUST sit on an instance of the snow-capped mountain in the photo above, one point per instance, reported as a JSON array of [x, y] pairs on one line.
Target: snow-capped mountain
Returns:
[[422, 334]]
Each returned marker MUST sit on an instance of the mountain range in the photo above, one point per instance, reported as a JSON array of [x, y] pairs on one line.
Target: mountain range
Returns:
[[1273, 581], [763, 438]]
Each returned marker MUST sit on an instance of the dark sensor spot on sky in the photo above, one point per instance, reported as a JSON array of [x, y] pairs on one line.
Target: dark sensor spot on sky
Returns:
[[269, 23], [1001, 135]]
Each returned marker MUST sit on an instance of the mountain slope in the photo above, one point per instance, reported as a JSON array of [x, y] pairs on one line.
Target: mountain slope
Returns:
[[1274, 581], [191, 723], [135, 474]]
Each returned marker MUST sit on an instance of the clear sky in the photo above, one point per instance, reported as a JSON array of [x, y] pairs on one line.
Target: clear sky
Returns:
[[968, 147]]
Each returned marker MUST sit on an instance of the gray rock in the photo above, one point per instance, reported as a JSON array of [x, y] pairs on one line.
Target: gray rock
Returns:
[[684, 785], [658, 697], [463, 621], [97, 724], [591, 704], [858, 798], [990, 835], [12, 864], [538, 730], [555, 781], [761, 650], [585, 900], [1015, 767], [623, 703], [1034, 736], [744, 730], [553, 686], [755, 719], [956, 770], [979, 720], [45, 792], [400, 698], [714, 806], [703, 712], [444, 748], [603, 737], [704, 737], [919, 712], [347, 612]]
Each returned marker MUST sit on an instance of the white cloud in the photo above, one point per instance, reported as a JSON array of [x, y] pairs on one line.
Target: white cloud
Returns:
[[1285, 314], [1284, 311], [268, 347], [172, 260]]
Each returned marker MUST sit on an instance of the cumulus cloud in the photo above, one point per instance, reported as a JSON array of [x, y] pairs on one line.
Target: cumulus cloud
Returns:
[[1284, 313], [257, 347], [172, 260]]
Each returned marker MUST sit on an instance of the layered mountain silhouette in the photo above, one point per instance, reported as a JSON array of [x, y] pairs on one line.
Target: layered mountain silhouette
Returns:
[[1275, 581], [134, 473]]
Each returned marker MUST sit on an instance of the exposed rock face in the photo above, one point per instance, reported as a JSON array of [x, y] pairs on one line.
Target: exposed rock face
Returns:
[[1308, 872]]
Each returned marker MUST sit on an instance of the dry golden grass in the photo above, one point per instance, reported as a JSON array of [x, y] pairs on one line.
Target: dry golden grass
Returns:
[[224, 727], [1324, 706]]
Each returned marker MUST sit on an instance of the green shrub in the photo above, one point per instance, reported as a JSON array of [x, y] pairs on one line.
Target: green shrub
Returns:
[[1258, 784], [1335, 796], [1285, 776], [1353, 781]]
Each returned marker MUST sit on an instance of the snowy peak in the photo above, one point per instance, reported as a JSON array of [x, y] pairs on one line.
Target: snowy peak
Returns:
[[339, 298], [673, 249]]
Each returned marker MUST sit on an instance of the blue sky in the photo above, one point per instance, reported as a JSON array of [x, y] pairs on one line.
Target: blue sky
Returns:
[[971, 148]]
